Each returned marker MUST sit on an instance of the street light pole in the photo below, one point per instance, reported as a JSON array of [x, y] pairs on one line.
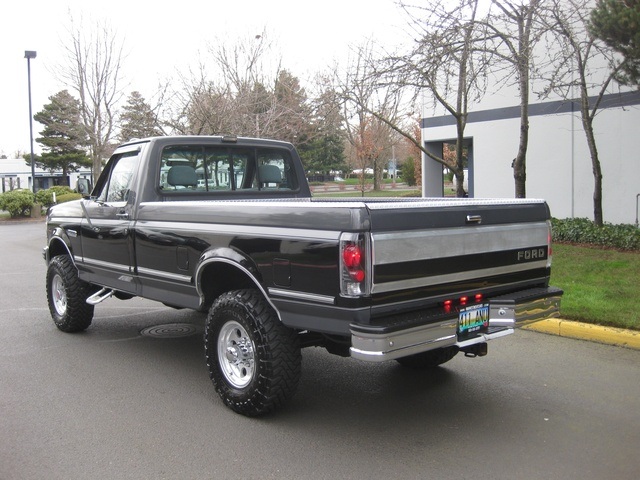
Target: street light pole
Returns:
[[29, 54]]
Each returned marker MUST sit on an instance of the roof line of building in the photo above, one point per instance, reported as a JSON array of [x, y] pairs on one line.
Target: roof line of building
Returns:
[[612, 100]]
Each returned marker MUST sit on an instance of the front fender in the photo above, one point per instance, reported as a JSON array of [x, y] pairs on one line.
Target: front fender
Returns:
[[59, 244]]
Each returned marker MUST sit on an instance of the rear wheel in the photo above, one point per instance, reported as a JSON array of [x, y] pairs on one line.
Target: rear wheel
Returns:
[[430, 359], [66, 296], [254, 361]]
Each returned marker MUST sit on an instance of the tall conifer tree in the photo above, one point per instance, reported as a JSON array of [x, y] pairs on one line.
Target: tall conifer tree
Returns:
[[63, 139]]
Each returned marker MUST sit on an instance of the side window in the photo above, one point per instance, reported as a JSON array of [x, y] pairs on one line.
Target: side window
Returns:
[[116, 188]]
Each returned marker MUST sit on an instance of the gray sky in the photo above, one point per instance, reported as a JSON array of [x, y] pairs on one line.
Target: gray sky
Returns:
[[161, 39]]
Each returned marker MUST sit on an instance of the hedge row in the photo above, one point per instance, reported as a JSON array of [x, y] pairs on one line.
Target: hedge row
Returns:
[[584, 231], [20, 202], [45, 197]]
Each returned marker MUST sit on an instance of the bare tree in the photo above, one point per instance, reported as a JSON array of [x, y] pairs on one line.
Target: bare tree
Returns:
[[93, 71], [447, 62], [240, 90], [578, 58], [516, 32], [369, 111]]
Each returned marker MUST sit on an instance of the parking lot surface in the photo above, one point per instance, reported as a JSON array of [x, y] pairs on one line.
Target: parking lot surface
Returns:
[[130, 398]]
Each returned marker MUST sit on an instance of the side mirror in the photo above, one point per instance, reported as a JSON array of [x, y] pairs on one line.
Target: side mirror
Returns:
[[83, 186]]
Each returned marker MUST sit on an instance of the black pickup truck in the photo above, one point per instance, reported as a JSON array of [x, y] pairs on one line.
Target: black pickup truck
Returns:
[[228, 226]]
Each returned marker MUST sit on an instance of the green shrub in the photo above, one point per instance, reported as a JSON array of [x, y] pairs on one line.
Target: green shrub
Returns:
[[67, 197], [584, 231], [17, 202], [45, 197], [61, 189]]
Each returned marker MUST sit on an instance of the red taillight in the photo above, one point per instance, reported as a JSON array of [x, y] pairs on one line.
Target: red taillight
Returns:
[[352, 256], [447, 305], [462, 301], [357, 275], [353, 260]]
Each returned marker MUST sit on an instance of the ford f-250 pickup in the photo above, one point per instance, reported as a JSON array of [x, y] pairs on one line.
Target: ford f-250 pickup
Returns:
[[228, 226]]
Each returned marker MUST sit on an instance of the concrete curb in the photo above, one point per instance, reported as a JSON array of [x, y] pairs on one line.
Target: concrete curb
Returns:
[[584, 331]]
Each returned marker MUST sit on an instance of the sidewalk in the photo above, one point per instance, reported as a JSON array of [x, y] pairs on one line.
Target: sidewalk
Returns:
[[585, 331]]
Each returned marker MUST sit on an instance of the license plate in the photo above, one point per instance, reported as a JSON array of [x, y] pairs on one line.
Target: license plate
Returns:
[[473, 319]]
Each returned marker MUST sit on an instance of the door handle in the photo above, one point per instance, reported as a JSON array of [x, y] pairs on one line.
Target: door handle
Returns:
[[123, 215]]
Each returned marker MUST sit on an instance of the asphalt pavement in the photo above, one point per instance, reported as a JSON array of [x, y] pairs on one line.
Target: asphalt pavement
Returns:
[[130, 398]]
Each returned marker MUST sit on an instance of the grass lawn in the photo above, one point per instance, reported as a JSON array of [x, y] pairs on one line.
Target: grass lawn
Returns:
[[600, 286]]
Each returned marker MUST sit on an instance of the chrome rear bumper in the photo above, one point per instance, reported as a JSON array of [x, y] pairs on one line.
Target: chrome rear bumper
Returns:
[[505, 313]]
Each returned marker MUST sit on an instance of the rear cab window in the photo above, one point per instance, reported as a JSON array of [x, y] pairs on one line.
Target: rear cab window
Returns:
[[193, 169]]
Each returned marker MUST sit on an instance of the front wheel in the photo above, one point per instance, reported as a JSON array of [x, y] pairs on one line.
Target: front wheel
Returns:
[[430, 359], [254, 361], [66, 296]]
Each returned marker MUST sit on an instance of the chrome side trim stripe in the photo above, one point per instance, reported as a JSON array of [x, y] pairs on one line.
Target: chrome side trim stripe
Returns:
[[235, 230], [166, 275], [401, 247], [454, 277], [302, 296], [102, 264]]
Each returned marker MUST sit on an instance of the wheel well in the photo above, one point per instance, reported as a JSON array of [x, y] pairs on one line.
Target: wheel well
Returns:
[[220, 277], [58, 247]]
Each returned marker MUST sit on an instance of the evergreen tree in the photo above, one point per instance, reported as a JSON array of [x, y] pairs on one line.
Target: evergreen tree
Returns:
[[408, 171], [617, 23], [325, 150], [63, 139], [294, 117], [138, 119]]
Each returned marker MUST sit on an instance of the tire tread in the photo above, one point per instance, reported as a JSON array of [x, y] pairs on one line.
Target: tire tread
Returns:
[[79, 314], [279, 356]]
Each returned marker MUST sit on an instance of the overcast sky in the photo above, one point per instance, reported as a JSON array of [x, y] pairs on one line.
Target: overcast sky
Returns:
[[162, 37]]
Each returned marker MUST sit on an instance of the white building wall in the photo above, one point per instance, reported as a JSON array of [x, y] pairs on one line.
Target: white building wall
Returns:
[[559, 166], [14, 171]]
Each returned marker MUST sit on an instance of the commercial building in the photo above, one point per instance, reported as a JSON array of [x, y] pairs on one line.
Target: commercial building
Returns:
[[16, 173], [559, 167]]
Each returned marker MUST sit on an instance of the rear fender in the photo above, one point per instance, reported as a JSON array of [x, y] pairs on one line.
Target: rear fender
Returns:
[[223, 269]]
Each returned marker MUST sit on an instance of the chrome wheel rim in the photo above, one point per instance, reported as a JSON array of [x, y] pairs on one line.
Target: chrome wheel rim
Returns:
[[59, 295], [236, 354]]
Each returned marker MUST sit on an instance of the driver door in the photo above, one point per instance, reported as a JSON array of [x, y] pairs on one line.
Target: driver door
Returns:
[[107, 237]]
